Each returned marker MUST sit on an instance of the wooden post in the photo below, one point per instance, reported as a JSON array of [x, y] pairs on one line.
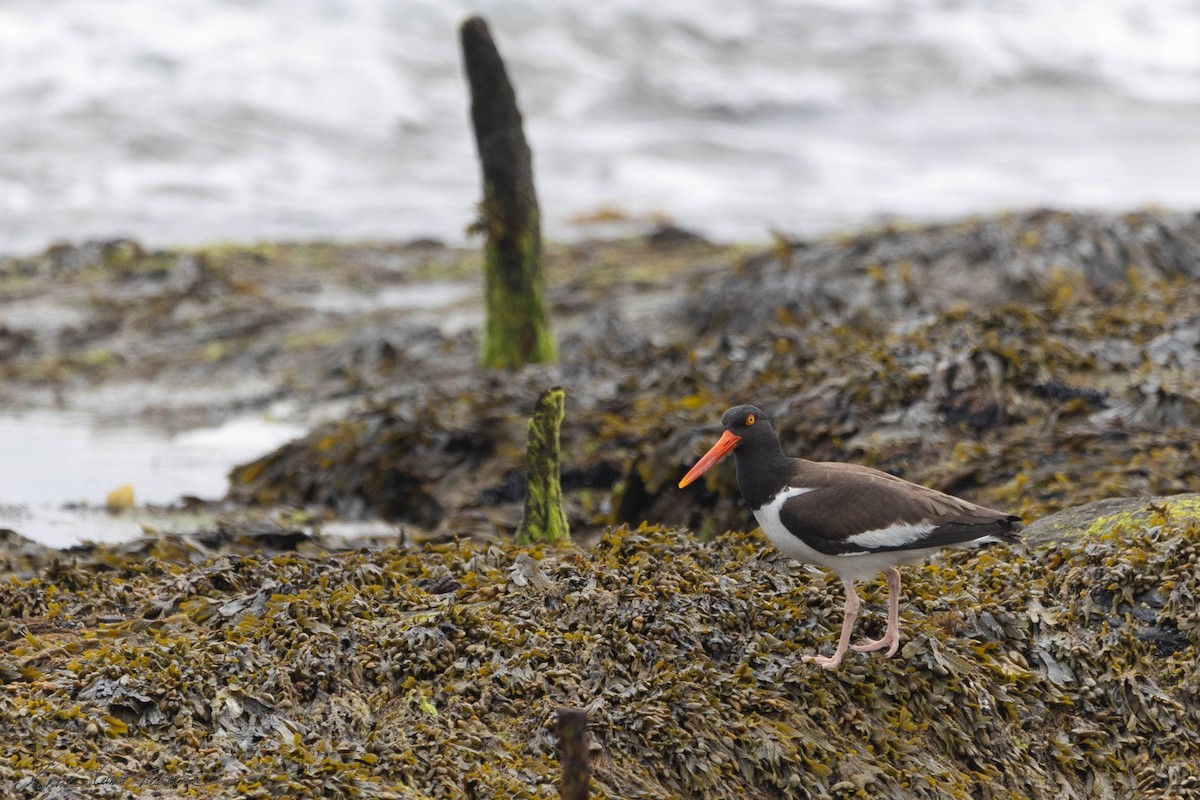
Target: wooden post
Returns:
[[517, 330], [544, 520], [573, 754]]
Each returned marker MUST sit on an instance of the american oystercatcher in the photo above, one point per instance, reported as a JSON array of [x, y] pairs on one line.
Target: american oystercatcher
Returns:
[[853, 520]]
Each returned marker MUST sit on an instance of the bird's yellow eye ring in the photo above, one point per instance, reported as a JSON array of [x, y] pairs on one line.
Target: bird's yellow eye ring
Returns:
[[749, 419]]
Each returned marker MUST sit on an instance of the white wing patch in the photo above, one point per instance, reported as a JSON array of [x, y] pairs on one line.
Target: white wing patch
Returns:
[[898, 535]]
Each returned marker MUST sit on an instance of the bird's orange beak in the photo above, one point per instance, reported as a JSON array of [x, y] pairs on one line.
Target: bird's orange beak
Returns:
[[722, 448]]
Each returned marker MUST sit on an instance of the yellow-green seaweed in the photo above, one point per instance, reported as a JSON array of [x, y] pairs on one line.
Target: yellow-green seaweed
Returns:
[[1070, 668]]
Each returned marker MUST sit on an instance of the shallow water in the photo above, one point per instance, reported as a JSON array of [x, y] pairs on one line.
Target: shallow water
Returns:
[[51, 459]]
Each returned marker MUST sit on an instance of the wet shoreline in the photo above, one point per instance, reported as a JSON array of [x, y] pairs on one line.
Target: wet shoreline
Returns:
[[182, 360], [353, 616], [939, 352]]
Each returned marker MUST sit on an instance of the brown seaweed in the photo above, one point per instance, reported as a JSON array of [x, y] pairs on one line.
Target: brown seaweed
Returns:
[[437, 673]]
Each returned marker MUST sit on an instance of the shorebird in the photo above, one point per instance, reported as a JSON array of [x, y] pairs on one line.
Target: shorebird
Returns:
[[850, 519]]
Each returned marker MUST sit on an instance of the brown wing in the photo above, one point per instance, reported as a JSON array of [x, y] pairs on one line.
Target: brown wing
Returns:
[[848, 500]]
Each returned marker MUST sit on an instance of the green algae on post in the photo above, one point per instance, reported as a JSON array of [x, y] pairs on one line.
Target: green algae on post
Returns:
[[517, 330], [544, 519]]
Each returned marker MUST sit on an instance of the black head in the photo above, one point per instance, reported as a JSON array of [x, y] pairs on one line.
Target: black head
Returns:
[[748, 423], [747, 430]]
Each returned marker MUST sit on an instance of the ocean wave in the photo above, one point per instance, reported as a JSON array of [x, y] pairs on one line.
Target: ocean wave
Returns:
[[197, 120]]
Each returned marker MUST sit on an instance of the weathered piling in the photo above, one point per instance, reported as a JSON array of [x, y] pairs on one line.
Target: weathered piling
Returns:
[[517, 330]]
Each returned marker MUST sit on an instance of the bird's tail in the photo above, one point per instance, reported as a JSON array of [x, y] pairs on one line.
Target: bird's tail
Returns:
[[1002, 531]]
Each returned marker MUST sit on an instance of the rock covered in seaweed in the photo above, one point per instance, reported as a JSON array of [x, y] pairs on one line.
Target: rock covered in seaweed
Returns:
[[436, 673], [1053, 392], [980, 261]]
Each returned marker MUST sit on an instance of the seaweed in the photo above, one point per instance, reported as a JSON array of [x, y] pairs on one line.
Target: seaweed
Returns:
[[1032, 361], [438, 672]]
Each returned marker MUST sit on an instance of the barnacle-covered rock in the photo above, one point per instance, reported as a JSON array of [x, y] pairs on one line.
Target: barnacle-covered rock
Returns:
[[1103, 516], [437, 672]]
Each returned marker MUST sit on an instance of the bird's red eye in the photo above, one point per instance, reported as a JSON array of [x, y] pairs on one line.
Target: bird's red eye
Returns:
[[749, 419]]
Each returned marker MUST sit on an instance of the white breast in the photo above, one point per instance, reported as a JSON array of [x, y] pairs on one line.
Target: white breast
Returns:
[[784, 540]]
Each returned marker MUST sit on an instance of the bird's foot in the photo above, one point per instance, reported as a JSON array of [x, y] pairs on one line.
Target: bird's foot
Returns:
[[892, 643], [824, 662]]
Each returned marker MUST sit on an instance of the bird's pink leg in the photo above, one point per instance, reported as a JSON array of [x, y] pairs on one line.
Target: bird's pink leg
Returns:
[[852, 604], [891, 638]]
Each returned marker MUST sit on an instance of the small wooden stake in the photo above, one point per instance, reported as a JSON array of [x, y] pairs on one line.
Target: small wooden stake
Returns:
[[573, 754]]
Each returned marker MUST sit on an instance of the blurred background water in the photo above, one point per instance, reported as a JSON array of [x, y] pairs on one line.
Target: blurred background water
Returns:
[[198, 120]]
